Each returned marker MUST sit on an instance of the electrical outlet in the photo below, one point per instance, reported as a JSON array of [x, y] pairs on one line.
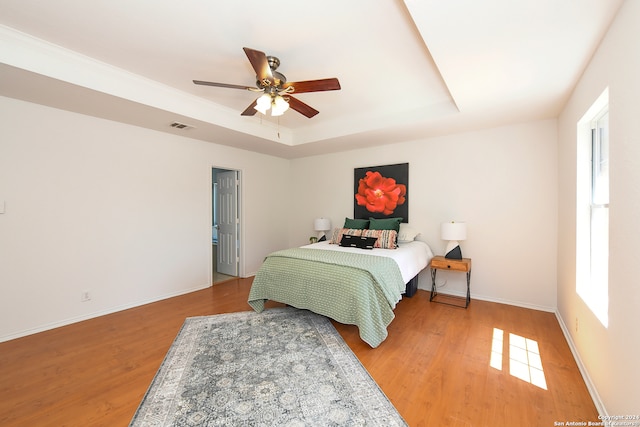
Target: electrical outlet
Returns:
[[85, 296], [577, 324]]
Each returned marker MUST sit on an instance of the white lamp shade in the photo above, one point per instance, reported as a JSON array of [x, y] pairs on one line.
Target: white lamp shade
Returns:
[[263, 103], [453, 231], [279, 106], [322, 224]]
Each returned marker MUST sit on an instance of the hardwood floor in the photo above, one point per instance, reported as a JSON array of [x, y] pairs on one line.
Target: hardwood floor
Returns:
[[435, 366]]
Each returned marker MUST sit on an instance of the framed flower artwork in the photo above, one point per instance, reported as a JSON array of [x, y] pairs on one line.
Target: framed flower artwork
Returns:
[[381, 192]]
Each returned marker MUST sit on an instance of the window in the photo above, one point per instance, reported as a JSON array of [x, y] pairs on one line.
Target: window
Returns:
[[592, 243]]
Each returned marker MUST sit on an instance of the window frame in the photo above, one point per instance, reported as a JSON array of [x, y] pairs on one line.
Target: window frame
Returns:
[[592, 208]]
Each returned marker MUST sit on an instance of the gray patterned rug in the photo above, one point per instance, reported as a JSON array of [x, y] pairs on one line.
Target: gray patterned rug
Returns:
[[283, 367]]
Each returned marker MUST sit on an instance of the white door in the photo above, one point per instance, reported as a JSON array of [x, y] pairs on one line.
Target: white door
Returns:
[[228, 222]]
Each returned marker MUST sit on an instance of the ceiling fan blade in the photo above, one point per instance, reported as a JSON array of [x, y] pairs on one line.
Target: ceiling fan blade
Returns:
[[250, 111], [302, 108], [314, 85], [200, 82], [260, 64]]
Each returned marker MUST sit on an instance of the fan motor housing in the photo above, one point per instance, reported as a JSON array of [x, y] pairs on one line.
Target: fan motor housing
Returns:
[[279, 78]]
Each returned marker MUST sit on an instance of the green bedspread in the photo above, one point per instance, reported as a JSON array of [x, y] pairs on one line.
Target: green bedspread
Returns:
[[351, 288]]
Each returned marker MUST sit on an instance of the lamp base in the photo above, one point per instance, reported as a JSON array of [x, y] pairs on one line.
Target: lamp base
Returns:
[[453, 250]]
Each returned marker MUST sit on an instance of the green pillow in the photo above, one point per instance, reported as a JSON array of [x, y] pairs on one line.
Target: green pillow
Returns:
[[356, 224], [385, 224]]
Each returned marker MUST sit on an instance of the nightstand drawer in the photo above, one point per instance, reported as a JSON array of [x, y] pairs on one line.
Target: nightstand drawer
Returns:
[[451, 264]]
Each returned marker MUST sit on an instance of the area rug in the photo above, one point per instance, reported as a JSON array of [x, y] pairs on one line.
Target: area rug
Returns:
[[282, 367]]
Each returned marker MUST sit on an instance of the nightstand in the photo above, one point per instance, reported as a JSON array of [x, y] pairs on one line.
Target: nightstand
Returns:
[[442, 263]]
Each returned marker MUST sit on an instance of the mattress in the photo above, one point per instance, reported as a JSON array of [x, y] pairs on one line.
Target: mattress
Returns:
[[411, 257]]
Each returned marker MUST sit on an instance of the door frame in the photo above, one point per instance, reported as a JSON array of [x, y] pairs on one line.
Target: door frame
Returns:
[[240, 210]]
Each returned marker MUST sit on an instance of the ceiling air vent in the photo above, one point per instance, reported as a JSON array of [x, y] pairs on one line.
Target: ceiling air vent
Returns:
[[179, 125]]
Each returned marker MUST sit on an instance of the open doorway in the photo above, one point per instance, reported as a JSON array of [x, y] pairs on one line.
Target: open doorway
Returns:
[[225, 238]]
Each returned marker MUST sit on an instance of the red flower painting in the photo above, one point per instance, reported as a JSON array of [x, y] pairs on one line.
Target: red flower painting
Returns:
[[379, 194]]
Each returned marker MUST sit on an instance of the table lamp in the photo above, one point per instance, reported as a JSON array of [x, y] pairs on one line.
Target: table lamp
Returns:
[[321, 225], [453, 232]]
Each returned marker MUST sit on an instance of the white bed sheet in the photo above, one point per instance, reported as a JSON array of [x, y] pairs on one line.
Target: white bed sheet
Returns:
[[411, 257]]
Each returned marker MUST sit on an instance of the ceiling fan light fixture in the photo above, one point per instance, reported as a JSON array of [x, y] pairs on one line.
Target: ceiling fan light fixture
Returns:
[[263, 103], [279, 106]]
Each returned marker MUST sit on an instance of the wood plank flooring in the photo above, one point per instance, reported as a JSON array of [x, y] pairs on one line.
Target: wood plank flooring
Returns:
[[435, 366]]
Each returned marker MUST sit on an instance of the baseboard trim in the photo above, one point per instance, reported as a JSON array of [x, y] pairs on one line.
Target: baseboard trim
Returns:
[[597, 401], [95, 314]]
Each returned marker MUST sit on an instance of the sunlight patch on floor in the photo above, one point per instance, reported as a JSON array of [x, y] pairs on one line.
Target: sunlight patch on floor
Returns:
[[496, 349], [525, 362]]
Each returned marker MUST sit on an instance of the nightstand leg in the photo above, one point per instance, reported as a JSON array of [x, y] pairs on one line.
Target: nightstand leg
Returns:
[[433, 284], [468, 287]]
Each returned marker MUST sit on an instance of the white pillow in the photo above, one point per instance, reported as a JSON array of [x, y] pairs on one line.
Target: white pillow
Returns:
[[407, 234]]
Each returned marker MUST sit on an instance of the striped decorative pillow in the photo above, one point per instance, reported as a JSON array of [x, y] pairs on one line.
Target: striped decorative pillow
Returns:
[[387, 239], [339, 232]]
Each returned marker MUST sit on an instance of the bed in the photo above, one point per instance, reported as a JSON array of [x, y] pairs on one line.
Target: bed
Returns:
[[350, 285]]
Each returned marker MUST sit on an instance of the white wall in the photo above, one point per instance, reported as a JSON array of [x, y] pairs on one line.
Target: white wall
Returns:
[[121, 211], [610, 354], [502, 182]]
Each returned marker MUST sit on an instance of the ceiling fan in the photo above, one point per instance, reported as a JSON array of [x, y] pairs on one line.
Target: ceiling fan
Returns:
[[276, 91]]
